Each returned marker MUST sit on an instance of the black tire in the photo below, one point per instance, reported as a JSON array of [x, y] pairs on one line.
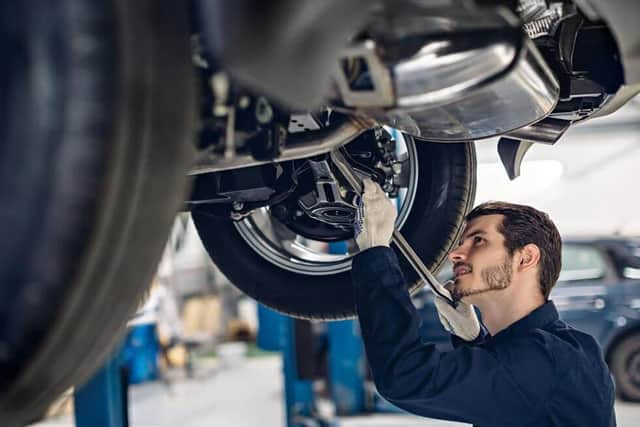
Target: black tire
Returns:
[[97, 101], [445, 193], [625, 367]]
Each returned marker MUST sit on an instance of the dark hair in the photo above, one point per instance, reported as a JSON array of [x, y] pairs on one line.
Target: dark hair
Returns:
[[522, 225]]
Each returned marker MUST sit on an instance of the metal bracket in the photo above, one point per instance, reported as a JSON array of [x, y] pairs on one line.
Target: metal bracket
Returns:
[[103, 401], [511, 153], [327, 204], [381, 93], [546, 131]]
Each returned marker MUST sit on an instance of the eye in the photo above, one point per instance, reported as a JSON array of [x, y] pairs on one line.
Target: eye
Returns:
[[477, 240]]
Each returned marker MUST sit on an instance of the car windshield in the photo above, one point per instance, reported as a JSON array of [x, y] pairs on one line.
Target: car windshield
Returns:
[[581, 262]]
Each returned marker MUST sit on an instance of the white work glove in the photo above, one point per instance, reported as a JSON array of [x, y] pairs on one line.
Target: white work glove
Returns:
[[461, 321], [375, 217]]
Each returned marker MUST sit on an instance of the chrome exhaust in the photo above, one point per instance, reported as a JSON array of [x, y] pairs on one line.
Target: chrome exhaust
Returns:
[[452, 87]]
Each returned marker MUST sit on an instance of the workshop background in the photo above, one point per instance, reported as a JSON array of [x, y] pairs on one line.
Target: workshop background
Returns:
[[199, 353]]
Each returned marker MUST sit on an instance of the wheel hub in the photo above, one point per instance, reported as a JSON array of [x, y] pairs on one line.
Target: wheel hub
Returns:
[[322, 208]]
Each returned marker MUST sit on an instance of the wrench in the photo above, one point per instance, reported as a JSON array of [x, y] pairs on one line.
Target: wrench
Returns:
[[354, 180]]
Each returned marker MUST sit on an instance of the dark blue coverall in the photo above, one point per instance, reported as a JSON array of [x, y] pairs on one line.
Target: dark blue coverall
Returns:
[[537, 372]]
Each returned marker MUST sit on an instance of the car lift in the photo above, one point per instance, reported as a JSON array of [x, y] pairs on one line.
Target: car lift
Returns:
[[351, 391], [103, 400]]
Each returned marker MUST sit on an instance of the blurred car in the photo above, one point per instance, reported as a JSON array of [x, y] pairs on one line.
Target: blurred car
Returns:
[[598, 292]]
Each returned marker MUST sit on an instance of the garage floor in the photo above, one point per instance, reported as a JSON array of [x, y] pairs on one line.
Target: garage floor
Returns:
[[250, 395]]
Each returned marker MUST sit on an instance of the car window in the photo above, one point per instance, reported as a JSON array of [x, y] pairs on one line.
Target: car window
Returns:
[[581, 262], [631, 268]]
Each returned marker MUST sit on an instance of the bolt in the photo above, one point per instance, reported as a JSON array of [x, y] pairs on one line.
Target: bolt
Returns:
[[244, 102], [264, 112]]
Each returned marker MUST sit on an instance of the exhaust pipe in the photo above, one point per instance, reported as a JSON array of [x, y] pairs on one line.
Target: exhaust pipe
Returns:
[[456, 85]]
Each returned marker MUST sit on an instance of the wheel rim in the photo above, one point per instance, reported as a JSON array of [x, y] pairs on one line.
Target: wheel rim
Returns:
[[286, 249]]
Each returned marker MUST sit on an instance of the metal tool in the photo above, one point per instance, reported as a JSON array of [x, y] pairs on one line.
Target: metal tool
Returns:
[[405, 248]]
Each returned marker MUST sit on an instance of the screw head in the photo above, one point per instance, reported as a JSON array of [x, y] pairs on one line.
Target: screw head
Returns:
[[264, 111]]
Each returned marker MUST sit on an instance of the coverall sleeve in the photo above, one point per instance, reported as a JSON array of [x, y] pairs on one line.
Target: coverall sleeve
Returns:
[[472, 384]]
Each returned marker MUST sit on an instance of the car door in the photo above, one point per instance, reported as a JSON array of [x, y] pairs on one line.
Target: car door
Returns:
[[582, 292]]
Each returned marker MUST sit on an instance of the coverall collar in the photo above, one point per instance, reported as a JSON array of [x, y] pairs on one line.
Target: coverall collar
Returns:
[[539, 317]]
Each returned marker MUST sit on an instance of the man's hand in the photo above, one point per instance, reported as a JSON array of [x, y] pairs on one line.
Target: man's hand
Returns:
[[375, 217], [461, 321]]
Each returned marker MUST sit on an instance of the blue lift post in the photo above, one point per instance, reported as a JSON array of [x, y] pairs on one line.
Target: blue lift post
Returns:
[[346, 367], [277, 332], [346, 356], [299, 397], [348, 372], [103, 401]]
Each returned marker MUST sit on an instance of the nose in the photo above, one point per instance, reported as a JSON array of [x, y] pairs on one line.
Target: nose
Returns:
[[458, 254]]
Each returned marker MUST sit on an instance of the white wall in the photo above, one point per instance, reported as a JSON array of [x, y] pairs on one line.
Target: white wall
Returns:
[[589, 182]]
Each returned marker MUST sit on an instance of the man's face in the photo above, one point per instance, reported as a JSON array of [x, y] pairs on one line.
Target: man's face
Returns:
[[481, 262]]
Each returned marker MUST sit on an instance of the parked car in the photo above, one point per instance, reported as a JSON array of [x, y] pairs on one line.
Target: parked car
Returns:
[[598, 292]]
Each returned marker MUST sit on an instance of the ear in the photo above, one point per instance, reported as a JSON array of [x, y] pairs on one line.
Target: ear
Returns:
[[529, 257]]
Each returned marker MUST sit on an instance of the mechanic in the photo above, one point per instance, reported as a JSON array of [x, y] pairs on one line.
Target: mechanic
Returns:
[[521, 367]]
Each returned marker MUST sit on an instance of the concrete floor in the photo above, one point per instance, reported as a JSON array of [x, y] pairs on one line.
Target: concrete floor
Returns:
[[249, 395]]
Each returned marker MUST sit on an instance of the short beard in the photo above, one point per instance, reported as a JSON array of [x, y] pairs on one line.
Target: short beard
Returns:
[[496, 278]]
